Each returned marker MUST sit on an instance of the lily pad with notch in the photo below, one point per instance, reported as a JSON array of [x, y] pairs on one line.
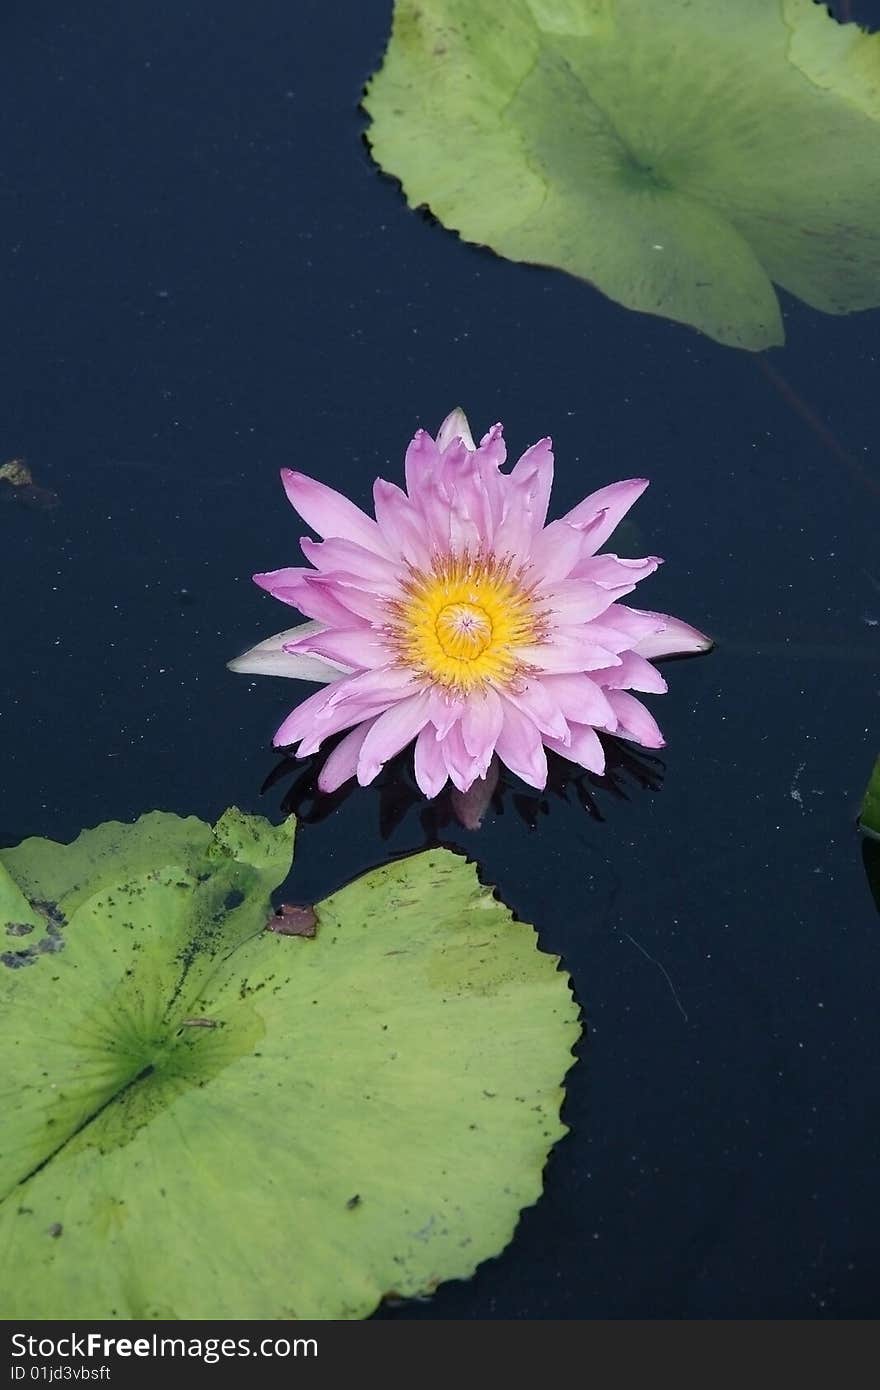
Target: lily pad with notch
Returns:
[[681, 156], [204, 1118]]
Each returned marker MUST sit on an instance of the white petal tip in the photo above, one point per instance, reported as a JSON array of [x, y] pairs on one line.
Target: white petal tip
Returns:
[[455, 426], [693, 643], [673, 638], [270, 658]]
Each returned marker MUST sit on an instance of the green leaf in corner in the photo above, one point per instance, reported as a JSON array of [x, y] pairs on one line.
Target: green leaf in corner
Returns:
[[203, 1118], [679, 156], [869, 817]]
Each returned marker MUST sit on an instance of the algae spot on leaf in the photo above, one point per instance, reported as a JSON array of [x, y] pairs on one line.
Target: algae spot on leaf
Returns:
[[194, 1100], [681, 157]]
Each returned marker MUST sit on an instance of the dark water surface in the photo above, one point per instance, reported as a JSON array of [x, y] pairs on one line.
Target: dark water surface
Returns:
[[204, 279]]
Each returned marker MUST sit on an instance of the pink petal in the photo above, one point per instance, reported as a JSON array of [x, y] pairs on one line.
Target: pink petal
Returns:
[[463, 768], [284, 584], [468, 528], [342, 762], [515, 531], [432, 504], [581, 700], [555, 552], [392, 731], [520, 748], [671, 637], [334, 718], [614, 500], [613, 572], [488, 460], [389, 683], [400, 524], [481, 720], [296, 587], [470, 487], [633, 673], [446, 710], [360, 647], [269, 658], [577, 600], [344, 557], [634, 721], [453, 505], [348, 701], [421, 460], [348, 598], [532, 475], [493, 451], [329, 513], [430, 768], [621, 627], [302, 718], [566, 649], [534, 698], [585, 748]]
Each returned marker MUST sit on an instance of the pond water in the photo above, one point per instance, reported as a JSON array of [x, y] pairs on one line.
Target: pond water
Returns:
[[205, 279]]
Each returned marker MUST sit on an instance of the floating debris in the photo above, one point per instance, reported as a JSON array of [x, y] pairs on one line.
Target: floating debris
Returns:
[[289, 920], [20, 487]]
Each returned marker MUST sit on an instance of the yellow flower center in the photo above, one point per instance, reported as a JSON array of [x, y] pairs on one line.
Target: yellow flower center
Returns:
[[461, 624], [464, 630]]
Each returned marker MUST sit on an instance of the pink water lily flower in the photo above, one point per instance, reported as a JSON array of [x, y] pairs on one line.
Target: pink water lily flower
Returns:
[[458, 618]]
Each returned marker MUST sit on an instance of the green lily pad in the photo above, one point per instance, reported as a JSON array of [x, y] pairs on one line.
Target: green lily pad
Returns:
[[869, 817], [871, 861], [203, 1118], [680, 156]]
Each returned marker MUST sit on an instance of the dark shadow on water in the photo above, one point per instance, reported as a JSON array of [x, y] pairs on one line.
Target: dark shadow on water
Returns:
[[397, 797]]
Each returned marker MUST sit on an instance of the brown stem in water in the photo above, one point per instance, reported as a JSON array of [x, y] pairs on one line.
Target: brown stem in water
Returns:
[[819, 428]]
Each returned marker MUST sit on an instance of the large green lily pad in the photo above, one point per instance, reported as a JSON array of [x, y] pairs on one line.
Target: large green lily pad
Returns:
[[681, 155], [203, 1118], [869, 817]]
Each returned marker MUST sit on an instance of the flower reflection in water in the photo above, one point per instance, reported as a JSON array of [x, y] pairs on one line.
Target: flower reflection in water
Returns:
[[628, 771]]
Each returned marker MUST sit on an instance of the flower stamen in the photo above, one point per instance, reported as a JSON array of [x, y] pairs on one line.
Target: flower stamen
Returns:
[[460, 623], [464, 630]]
